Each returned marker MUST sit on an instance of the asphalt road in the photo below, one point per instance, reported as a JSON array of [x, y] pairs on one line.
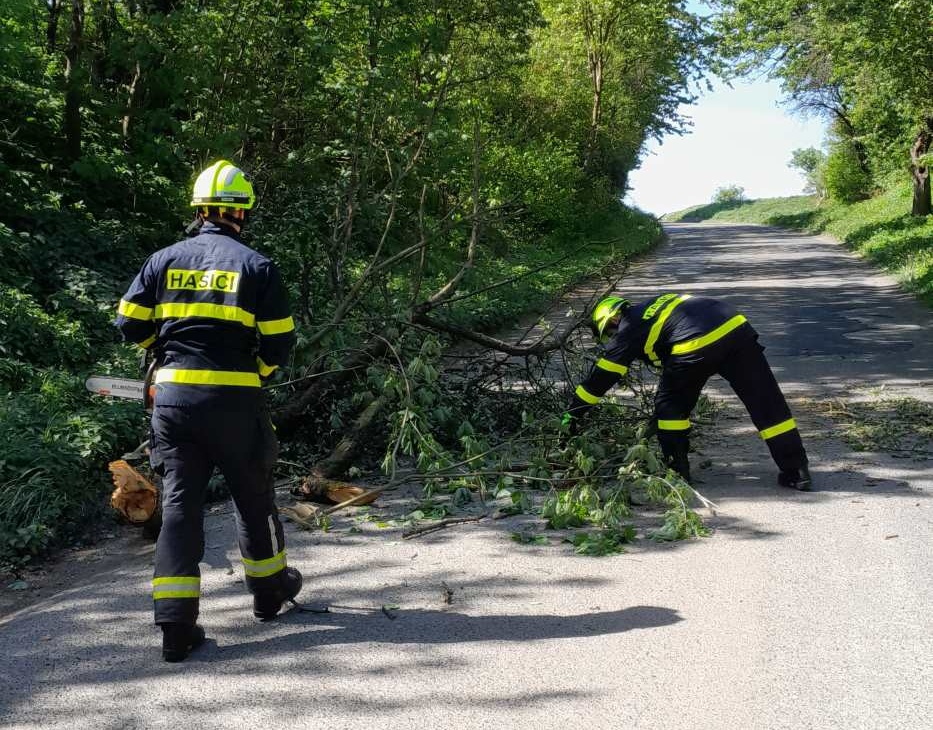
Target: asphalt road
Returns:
[[801, 611]]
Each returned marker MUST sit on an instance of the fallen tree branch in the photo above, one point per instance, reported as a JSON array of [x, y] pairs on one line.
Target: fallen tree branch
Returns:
[[286, 418], [543, 345], [433, 527], [338, 461], [512, 279]]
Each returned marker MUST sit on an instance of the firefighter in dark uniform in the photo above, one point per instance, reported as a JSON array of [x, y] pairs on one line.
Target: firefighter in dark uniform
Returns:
[[691, 339], [216, 315]]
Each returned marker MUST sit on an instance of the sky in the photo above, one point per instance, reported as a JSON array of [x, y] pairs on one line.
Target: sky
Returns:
[[740, 136]]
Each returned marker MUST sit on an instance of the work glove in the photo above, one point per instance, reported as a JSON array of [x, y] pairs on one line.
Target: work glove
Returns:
[[569, 426]]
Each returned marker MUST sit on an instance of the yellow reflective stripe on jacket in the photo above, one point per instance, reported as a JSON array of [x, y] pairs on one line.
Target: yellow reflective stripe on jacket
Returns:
[[265, 370], [264, 568], [226, 312], [276, 326], [783, 427], [667, 425], [134, 311], [587, 397], [710, 337], [176, 586], [207, 377], [612, 367], [147, 343], [655, 331]]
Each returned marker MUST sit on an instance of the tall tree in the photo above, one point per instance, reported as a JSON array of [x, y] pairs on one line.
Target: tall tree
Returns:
[[74, 81], [874, 58]]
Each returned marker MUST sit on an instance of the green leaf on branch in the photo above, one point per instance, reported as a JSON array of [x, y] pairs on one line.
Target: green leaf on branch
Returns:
[[601, 542]]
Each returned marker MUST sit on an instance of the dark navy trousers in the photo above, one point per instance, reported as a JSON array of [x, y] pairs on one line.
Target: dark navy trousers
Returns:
[[740, 359], [187, 443]]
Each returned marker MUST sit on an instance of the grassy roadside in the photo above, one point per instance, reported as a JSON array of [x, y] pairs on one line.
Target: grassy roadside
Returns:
[[879, 229]]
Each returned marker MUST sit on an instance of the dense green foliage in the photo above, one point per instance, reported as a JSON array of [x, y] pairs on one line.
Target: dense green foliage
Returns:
[[844, 179], [401, 152], [865, 65], [729, 194], [877, 228], [811, 164]]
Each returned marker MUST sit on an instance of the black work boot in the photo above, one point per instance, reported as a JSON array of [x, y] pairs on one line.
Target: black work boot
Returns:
[[267, 605], [798, 479], [179, 640]]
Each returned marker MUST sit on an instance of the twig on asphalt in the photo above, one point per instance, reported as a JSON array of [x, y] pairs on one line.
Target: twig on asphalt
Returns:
[[442, 524]]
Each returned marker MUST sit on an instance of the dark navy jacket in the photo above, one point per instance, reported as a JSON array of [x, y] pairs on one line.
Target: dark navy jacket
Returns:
[[672, 329], [216, 314]]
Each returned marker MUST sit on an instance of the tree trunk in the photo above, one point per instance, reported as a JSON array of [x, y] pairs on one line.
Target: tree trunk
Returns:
[[341, 458], [920, 171], [72, 120], [130, 103], [596, 71], [51, 26], [289, 416]]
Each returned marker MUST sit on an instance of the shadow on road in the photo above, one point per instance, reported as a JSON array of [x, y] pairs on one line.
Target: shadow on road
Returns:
[[95, 647], [448, 627]]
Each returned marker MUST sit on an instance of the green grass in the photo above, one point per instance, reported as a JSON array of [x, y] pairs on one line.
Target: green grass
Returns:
[[880, 229]]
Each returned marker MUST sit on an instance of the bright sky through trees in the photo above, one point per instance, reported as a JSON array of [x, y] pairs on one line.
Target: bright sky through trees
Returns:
[[740, 136]]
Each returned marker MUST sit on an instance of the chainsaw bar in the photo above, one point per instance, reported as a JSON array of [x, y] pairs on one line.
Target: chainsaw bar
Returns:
[[116, 387]]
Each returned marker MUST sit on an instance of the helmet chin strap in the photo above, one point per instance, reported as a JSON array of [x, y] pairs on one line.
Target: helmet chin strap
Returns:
[[234, 220], [195, 225], [225, 218]]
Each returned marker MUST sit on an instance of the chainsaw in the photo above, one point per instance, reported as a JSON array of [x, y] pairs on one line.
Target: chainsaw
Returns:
[[136, 494], [143, 390]]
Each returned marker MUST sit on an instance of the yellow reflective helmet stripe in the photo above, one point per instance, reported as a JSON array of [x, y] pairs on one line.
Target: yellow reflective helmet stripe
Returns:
[[176, 586], [225, 312], [264, 568], [783, 427], [276, 326], [207, 377], [134, 311], [587, 397], [265, 370], [673, 425], [655, 331], [709, 338], [612, 367]]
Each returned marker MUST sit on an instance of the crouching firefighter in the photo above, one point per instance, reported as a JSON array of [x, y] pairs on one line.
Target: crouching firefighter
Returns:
[[691, 339], [216, 314]]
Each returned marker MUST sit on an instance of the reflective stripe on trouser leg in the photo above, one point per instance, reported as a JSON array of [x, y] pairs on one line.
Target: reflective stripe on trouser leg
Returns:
[[176, 586], [785, 445], [264, 568], [777, 429], [673, 424]]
